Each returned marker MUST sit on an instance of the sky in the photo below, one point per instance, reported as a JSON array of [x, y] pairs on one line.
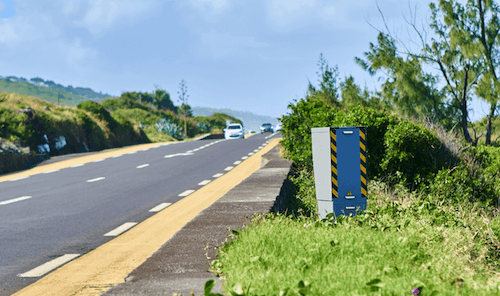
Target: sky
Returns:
[[244, 55]]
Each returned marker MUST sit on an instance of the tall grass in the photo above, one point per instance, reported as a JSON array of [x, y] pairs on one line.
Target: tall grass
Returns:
[[405, 242]]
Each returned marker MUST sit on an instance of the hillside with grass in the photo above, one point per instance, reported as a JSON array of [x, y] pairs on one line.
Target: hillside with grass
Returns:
[[23, 89], [28, 123]]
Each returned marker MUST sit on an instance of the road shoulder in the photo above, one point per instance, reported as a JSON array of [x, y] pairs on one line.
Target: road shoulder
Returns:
[[180, 265]]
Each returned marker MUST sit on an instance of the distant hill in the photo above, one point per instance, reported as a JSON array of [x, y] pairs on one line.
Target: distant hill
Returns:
[[85, 92], [250, 120]]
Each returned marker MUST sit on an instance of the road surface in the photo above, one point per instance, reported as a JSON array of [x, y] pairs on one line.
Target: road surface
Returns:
[[50, 218]]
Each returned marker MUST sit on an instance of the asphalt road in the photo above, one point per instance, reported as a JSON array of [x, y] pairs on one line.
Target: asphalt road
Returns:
[[69, 211]]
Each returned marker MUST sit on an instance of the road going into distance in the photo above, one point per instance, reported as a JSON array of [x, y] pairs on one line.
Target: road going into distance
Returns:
[[52, 217]]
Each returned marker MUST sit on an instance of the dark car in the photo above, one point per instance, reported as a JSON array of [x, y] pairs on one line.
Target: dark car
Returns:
[[266, 127]]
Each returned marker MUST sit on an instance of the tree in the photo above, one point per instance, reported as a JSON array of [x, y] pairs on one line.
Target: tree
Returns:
[[183, 99], [187, 108], [451, 60], [328, 88], [410, 90], [161, 99], [476, 27]]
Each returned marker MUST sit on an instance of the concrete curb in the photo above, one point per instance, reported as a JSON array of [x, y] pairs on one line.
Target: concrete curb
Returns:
[[180, 265]]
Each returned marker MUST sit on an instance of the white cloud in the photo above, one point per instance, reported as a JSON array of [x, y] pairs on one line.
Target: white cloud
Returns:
[[2, 6], [75, 53], [287, 15], [284, 13], [212, 5], [102, 15], [9, 32], [222, 44]]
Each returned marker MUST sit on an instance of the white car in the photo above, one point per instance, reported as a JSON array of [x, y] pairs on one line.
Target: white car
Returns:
[[234, 131], [277, 128]]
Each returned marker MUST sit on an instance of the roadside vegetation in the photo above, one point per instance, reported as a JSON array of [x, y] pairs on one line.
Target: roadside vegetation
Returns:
[[133, 118], [432, 223]]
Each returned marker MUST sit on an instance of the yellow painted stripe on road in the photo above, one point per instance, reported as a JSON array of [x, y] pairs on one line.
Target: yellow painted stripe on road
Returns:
[[76, 161], [109, 264]]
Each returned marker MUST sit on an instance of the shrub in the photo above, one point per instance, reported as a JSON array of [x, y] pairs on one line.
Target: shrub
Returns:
[[169, 128], [203, 127], [305, 114], [100, 112], [412, 154]]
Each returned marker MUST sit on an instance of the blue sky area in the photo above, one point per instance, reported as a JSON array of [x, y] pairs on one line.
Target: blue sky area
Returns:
[[246, 55]]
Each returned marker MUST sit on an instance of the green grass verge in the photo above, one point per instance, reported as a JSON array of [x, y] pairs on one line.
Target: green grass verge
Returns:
[[404, 242]]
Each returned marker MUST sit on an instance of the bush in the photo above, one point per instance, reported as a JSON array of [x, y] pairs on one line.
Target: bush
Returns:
[[99, 111], [412, 154], [296, 130], [169, 128]]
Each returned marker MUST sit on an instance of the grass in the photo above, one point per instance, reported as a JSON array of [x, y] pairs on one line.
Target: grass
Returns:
[[45, 93], [403, 242], [157, 137]]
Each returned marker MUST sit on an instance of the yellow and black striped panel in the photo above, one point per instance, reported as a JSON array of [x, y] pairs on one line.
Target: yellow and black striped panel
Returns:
[[362, 156], [333, 148]]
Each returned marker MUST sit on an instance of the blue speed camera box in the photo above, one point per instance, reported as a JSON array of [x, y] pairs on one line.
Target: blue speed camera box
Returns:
[[339, 160]]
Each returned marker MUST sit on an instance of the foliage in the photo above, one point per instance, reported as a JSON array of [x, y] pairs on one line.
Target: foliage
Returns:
[[400, 151], [48, 94], [352, 95], [203, 127], [304, 115], [404, 242], [159, 99], [113, 104], [412, 91], [85, 92], [95, 131], [217, 121], [411, 155], [327, 90], [170, 128], [183, 99], [97, 110]]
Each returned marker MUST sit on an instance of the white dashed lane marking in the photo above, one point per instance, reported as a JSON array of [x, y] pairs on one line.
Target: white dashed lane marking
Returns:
[[117, 156], [121, 229], [186, 193], [51, 265], [99, 160], [205, 182], [6, 202], [53, 171], [133, 152], [229, 168], [96, 179], [22, 178], [218, 175], [160, 207], [251, 153], [142, 166], [244, 157], [237, 162], [78, 165]]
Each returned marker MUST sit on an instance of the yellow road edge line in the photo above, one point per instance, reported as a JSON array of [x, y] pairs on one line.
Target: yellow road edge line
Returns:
[[110, 263], [78, 160]]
